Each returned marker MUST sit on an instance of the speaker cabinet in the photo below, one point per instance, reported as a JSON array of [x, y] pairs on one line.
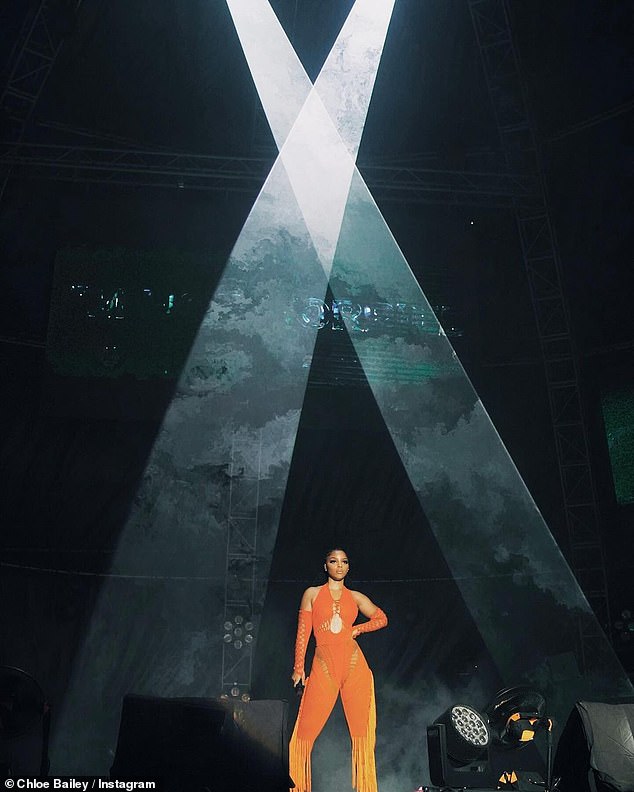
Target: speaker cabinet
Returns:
[[596, 748], [204, 744]]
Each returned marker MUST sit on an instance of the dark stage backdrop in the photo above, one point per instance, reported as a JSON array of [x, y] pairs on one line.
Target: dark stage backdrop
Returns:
[[119, 490]]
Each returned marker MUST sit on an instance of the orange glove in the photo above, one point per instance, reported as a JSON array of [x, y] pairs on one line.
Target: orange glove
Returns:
[[377, 621], [304, 626]]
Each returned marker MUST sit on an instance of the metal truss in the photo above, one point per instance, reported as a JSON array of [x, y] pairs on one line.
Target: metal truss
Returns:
[[409, 184], [243, 597], [33, 60], [543, 267], [137, 167]]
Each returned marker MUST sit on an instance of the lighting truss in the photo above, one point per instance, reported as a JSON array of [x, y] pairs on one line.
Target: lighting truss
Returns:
[[475, 185], [501, 65]]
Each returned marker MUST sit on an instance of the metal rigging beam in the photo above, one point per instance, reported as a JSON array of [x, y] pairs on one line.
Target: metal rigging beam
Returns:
[[503, 75], [32, 62], [244, 592], [587, 123], [137, 167]]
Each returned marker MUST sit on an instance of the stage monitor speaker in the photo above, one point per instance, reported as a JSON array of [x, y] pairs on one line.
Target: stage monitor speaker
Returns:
[[596, 748], [195, 744]]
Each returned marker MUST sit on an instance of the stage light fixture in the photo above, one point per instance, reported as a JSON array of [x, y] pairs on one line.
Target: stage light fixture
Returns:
[[457, 744], [516, 714], [470, 725], [467, 733], [238, 632], [468, 748]]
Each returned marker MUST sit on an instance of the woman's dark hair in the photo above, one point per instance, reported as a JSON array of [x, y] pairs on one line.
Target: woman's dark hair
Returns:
[[334, 550]]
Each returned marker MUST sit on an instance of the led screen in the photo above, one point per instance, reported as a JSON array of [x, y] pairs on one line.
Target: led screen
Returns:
[[118, 312]]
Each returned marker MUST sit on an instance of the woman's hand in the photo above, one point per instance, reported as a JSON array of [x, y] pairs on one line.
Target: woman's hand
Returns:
[[297, 678], [377, 619]]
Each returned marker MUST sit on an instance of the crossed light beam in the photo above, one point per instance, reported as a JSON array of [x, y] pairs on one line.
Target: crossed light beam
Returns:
[[224, 449], [498, 547], [319, 145]]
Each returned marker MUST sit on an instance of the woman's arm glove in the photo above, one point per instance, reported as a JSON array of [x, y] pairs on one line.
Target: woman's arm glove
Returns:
[[377, 621], [304, 626]]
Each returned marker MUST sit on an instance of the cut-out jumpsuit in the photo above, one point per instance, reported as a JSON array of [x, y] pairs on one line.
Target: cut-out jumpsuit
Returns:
[[339, 667]]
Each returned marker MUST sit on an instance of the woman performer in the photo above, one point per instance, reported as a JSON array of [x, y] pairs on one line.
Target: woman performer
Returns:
[[338, 667]]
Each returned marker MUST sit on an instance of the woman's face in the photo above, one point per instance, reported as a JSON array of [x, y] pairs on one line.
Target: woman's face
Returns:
[[336, 565]]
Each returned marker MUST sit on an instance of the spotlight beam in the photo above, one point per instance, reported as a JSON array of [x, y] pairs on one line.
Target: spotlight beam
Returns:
[[319, 149], [281, 82], [487, 524]]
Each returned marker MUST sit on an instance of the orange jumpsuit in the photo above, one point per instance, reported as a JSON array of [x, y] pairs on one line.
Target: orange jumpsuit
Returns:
[[339, 667]]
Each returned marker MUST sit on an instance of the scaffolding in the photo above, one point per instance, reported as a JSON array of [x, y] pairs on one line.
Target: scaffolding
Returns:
[[136, 167], [503, 75], [243, 597], [41, 40]]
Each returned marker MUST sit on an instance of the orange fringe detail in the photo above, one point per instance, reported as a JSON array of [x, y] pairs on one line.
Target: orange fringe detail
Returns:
[[299, 762], [363, 762]]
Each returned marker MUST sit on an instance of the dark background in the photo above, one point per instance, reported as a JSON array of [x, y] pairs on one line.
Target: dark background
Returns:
[[172, 75]]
